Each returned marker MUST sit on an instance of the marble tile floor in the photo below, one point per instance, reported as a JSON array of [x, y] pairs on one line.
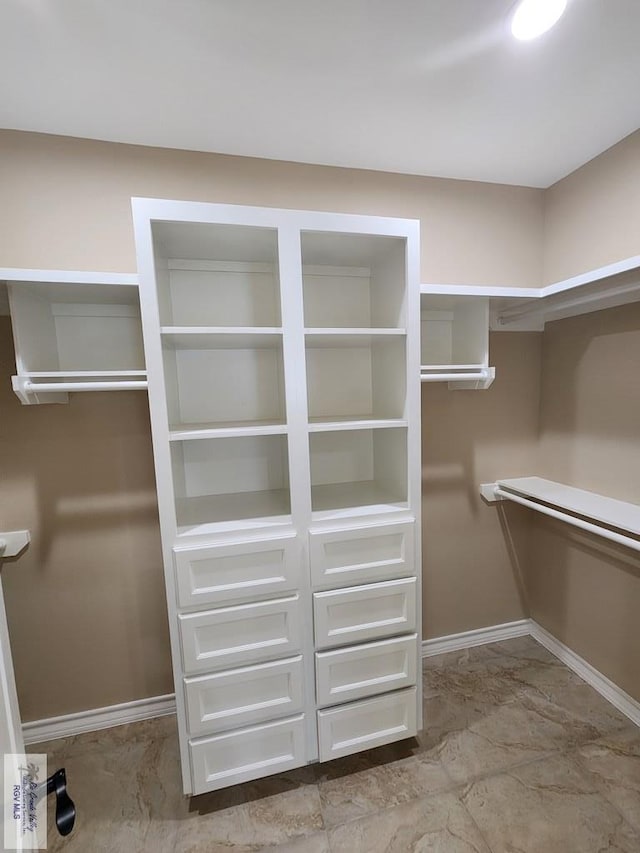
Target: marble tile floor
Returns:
[[518, 755]]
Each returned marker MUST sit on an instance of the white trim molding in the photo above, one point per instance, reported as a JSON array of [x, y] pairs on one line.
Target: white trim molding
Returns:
[[479, 637], [621, 700], [98, 718], [626, 704]]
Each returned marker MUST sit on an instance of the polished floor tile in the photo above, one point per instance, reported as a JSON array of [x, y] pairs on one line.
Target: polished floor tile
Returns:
[[366, 792], [548, 806], [440, 824], [518, 755], [614, 765]]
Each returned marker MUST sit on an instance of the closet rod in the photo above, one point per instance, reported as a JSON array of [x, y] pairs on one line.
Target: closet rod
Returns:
[[42, 387], [479, 375], [604, 532]]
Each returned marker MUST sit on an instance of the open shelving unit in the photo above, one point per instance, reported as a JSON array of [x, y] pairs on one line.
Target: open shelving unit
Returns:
[[226, 479], [364, 469], [74, 332], [455, 341]]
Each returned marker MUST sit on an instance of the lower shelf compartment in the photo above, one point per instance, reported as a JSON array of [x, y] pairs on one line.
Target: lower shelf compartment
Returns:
[[246, 754], [367, 724], [202, 514]]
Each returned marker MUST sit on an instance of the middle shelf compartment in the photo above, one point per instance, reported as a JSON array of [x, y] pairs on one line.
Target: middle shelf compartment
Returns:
[[360, 468], [219, 480], [201, 368]]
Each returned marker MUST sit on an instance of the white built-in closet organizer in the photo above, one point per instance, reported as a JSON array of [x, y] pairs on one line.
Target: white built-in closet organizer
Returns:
[[283, 361], [282, 350]]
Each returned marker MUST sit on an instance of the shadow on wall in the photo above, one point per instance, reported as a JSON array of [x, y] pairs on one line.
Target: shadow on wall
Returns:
[[582, 589], [472, 564], [80, 476], [586, 592]]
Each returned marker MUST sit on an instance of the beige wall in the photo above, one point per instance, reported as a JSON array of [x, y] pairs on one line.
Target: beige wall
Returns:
[[85, 602], [592, 217], [473, 556], [583, 591], [66, 205]]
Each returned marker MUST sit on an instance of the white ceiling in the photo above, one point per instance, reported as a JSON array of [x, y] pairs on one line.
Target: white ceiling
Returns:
[[432, 87]]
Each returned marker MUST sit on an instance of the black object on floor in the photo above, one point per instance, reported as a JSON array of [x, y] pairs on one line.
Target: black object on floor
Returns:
[[65, 809]]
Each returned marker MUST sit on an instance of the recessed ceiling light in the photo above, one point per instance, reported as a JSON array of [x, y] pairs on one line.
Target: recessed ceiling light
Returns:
[[534, 17]]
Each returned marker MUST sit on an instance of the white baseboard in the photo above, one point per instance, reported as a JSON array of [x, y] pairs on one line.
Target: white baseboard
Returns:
[[98, 718], [612, 693], [479, 637], [159, 706]]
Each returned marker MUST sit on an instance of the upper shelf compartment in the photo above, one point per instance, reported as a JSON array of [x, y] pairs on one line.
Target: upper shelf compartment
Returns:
[[455, 341], [353, 281], [222, 275], [75, 334]]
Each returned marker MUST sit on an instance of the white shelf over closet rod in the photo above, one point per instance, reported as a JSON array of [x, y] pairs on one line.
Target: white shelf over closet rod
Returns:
[[74, 331], [583, 509]]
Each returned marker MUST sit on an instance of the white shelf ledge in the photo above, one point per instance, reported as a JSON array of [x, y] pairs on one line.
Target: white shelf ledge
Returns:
[[221, 337], [350, 337], [335, 424], [68, 277], [587, 510], [191, 432], [529, 308]]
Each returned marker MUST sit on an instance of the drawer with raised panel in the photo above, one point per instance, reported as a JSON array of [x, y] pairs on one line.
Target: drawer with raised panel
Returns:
[[236, 570], [364, 725], [240, 697], [248, 753], [343, 675], [345, 557], [370, 612], [243, 634]]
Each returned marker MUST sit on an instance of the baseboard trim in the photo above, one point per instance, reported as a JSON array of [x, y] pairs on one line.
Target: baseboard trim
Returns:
[[159, 706], [98, 718], [626, 704], [479, 637]]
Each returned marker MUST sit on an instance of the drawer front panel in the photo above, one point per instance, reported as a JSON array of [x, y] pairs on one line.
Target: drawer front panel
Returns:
[[347, 674], [236, 571], [364, 725], [361, 555], [233, 636], [240, 697], [246, 754], [346, 616]]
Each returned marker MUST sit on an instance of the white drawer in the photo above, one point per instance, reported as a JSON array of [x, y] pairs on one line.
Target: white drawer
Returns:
[[240, 697], [371, 612], [363, 554], [246, 633], [363, 725], [238, 570], [346, 674], [245, 754]]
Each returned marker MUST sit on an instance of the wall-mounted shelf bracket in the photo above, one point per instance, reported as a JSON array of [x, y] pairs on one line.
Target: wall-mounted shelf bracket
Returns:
[[13, 542], [488, 492]]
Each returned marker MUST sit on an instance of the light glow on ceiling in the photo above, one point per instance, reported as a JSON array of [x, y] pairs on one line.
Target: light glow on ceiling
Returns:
[[532, 18]]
